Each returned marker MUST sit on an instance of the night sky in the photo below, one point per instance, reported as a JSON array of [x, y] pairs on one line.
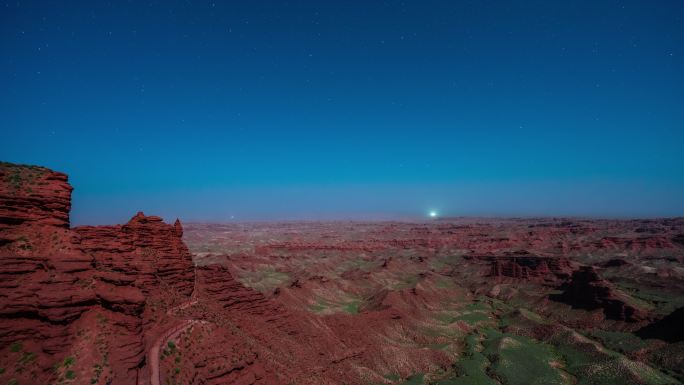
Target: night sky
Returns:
[[255, 110]]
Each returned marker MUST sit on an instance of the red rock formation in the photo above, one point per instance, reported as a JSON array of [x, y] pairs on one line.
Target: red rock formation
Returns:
[[146, 250], [216, 283], [586, 290], [33, 195], [213, 355], [43, 278], [235, 340], [69, 304], [530, 267]]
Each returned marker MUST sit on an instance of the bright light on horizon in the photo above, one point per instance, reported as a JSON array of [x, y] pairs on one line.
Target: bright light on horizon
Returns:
[[433, 214]]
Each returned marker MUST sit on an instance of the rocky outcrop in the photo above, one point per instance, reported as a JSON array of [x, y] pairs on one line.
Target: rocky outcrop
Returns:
[[33, 195], [71, 300], [586, 290], [529, 267], [146, 251], [43, 278], [216, 283], [239, 338]]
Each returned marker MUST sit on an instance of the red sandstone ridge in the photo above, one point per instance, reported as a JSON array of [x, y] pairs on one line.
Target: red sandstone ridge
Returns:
[[236, 354], [529, 267], [74, 300], [145, 250], [216, 283], [40, 295], [33, 195]]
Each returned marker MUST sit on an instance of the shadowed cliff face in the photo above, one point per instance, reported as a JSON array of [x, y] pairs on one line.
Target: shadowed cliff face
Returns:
[[668, 328], [74, 300], [586, 290]]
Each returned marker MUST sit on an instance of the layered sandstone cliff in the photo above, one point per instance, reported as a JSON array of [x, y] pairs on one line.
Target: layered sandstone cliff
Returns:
[[147, 251], [529, 267], [73, 303], [33, 195]]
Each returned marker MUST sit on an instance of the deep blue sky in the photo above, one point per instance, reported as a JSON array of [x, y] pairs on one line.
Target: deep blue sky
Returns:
[[352, 109]]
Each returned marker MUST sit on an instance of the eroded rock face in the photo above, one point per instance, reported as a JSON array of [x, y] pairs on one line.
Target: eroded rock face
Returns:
[[147, 252], [218, 354], [43, 278], [33, 195], [217, 283], [529, 267], [586, 290], [71, 301]]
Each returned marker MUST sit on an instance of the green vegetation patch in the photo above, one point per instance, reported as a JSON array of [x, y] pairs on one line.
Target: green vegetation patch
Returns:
[[473, 318], [447, 261], [472, 314], [324, 306], [416, 379], [352, 307], [20, 176], [663, 301], [522, 360], [479, 305], [319, 307], [27, 358], [15, 347], [264, 280], [473, 367], [604, 367], [68, 361], [620, 341], [407, 281], [360, 264]]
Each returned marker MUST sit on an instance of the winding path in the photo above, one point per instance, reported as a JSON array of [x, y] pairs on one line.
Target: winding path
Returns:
[[169, 334]]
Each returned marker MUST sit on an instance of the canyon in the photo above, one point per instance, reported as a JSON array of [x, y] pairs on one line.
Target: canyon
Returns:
[[447, 301]]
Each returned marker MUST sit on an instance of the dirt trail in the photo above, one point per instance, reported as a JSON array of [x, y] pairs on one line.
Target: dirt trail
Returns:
[[172, 333], [157, 346]]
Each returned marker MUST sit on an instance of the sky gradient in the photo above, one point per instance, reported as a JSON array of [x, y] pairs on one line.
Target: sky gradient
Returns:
[[237, 111]]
